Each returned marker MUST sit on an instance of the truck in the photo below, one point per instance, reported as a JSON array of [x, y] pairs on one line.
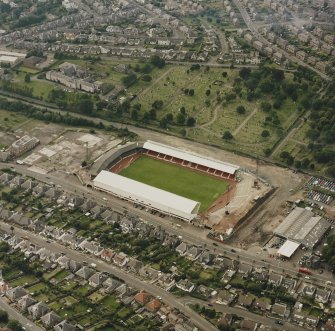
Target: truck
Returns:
[[305, 271]]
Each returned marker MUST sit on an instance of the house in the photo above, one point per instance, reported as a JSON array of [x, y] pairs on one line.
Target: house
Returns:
[[229, 264], [279, 309], [166, 280], [206, 257], [248, 325], [289, 284], [97, 279], [74, 265], [50, 319], [25, 302], [107, 255], [244, 270], [64, 326], [193, 253], [16, 293], [85, 272], [52, 193], [153, 305], [260, 274], [225, 321], [149, 273], [4, 287], [63, 261], [38, 310], [225, 297], [110, 284], [142, 298], [120, 259], [246, 300], [263, 304], [70, 240], [91, 247], [322, 296], [182, 248], [308, 290], [275, 279], [28, 185], [134, 265], [96, 211], [186, 285]]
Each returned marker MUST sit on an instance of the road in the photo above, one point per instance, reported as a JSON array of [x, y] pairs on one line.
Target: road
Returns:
[[245, 314], [15, 315], [129, 278], [190, 233], [251, 27]]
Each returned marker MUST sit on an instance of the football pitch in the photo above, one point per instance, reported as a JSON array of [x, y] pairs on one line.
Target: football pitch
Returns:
[[175, 179]]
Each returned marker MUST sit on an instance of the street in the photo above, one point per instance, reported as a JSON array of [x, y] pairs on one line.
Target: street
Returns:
[[14, 314], [190, 233], [130, 279]]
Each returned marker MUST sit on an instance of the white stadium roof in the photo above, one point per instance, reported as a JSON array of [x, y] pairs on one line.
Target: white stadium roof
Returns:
[[147, 195], [191, 157], [288, 248]]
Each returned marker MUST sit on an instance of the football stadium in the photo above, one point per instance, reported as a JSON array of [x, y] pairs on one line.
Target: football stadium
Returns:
[[162, 178]]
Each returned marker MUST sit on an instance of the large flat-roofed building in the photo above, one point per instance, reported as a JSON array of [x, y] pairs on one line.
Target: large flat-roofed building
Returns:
[[146, 195], [303, 227], [23, 145]]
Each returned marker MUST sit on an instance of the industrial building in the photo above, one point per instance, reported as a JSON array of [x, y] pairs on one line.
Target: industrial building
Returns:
[[301, 227], [23, 145], [146, 195]]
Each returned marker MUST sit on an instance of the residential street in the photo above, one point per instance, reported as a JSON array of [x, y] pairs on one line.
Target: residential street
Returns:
[[246, 314], [14, 314], [130, 279]]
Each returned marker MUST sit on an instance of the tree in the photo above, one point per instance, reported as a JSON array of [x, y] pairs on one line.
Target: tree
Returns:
[[227, 136], [27, 78], [157, 104], [3, 316], [208, 92], [14, 325], [157, 61], [244, 73], [265, 133], [181, 119], [191, 92], [147, 78], [4, 247], [240, 110], [85, 106], [190, 121], [129, 79], [266, 106]]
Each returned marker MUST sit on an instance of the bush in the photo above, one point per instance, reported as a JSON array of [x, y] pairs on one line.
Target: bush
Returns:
[[240, 110]]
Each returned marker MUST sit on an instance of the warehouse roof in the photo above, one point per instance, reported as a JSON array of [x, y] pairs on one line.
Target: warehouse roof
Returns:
[[288, 248], [191, 157], [146, 194], [303, 227]]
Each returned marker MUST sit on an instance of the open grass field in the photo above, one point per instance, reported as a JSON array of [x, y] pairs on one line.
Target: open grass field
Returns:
[[177, 180]]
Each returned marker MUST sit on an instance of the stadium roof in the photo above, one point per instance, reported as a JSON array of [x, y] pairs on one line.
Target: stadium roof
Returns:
[[303, 227], [147, 195], [191, 157], [288, 248]]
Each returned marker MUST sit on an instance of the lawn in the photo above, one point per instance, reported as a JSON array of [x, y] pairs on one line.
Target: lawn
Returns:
[[181, 181], [24, 280], [37, 288], [110, 303]]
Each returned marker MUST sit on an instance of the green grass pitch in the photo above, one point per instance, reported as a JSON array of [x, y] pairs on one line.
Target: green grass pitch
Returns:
[[175, 179]]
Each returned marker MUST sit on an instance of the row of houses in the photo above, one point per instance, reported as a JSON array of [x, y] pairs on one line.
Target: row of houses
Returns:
[[101, 281]]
